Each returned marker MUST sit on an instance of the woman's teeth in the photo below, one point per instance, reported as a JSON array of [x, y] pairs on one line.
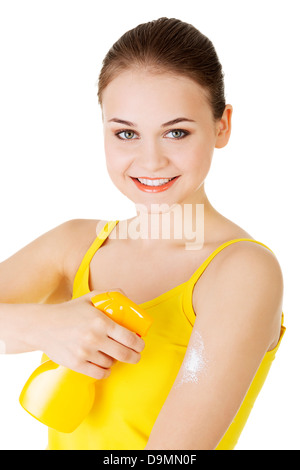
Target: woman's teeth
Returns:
[[158, 182]]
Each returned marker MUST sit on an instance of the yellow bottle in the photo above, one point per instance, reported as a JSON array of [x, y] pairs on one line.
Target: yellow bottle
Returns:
[[61, 398]]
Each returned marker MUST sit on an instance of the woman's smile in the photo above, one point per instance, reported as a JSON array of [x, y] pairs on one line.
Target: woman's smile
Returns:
[[169, 162], [154, 185]]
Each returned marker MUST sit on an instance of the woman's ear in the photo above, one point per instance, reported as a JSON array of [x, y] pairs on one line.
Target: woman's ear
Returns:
[[224, 127]]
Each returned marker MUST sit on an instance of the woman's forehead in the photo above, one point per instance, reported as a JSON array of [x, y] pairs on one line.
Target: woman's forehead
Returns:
[[150, 80], [136, 90]]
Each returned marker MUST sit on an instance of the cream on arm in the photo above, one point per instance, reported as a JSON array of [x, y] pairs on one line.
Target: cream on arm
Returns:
[[238, 320]]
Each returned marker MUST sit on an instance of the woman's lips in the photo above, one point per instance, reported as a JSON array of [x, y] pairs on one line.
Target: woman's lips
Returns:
[[154, 189]]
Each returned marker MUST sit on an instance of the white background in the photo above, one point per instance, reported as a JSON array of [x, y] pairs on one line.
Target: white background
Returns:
[[53, 165]]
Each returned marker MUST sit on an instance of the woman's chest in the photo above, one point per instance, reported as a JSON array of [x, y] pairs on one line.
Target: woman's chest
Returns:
[[142, 275]]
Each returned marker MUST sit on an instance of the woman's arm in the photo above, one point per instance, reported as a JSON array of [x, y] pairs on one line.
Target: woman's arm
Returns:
[[37, 311], [27, 279], [238, 321]]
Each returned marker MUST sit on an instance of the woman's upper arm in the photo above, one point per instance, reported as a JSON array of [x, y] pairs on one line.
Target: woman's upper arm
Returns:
[[237, 321], [37, 270]]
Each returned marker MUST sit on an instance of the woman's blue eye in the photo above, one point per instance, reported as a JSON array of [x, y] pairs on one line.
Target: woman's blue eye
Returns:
[[175, 133], [128, 135]]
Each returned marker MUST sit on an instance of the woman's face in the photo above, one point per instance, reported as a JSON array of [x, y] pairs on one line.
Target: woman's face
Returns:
[[149, 145]]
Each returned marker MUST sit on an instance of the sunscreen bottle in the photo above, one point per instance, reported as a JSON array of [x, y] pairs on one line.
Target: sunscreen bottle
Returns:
[[60, 397]]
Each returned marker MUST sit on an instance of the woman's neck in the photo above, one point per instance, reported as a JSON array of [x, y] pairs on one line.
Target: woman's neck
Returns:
[[178, 226]]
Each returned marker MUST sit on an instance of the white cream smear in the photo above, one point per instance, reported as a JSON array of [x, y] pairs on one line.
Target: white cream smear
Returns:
[[194, 363]]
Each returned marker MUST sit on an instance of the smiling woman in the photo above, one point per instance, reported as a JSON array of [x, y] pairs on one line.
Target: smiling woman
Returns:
[[152, 149], [216, 306]]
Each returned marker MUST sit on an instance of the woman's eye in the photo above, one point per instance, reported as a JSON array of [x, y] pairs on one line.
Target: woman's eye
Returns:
[[128, 135], [178, 133]]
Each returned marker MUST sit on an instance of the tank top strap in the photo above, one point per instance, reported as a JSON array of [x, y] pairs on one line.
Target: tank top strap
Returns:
[[81, 280], [187, 296]]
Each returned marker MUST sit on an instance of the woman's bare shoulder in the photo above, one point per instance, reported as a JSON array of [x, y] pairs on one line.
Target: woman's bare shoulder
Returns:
[[78, 237], [248, 272], [40, 271], [243, 253]]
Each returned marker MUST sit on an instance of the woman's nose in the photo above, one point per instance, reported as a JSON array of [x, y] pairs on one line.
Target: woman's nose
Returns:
[[152, 157]]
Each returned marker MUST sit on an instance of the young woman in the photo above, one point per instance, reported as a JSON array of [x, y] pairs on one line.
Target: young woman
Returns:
[[215, 298]]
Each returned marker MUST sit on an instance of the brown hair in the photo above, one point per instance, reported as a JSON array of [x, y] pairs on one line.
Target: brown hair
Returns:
[[167, 45]]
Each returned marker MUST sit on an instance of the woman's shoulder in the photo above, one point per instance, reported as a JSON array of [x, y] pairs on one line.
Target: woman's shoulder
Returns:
[[242, 253], [245, 272], [244, 248], [237, 241], [82, 232], [78, 236]]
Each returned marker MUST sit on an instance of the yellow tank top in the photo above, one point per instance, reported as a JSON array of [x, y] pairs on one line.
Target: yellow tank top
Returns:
[[129, 401]]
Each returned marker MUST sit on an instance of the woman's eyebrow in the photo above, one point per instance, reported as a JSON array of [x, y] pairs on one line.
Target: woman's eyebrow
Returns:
[[169, 123]]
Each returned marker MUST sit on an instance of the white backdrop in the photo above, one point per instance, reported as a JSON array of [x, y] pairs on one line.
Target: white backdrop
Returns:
[[53, 167]]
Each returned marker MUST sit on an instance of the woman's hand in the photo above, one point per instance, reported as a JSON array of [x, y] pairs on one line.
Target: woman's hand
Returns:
[[79, 336]]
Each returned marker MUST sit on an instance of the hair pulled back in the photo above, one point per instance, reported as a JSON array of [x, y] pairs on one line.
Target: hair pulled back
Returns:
[[167, 45]]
